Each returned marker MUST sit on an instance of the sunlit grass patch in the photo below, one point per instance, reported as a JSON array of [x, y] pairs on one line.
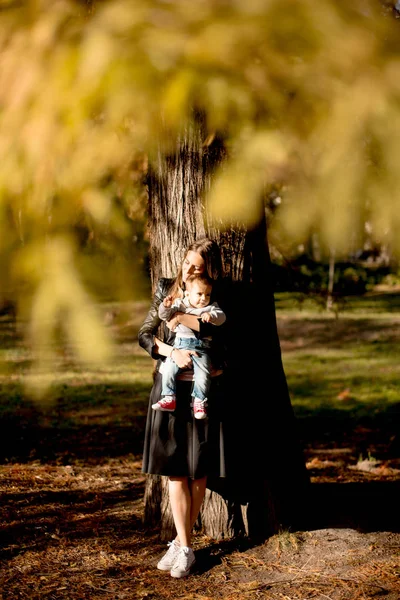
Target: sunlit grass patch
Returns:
[[114, 394], [358, 379], [341, 373], [343, 376], [373, 304]]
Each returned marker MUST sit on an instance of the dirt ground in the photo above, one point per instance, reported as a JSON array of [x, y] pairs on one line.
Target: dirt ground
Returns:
[[75, 531]]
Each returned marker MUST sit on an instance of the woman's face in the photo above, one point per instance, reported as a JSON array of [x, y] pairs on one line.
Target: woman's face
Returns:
[[193, 264]]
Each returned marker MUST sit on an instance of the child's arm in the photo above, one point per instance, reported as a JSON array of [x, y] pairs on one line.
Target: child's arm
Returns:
[[182, 316], [168, 301], [215, 315], [165, 312]]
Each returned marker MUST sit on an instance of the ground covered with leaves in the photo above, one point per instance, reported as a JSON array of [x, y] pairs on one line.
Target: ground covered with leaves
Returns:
[[71, 486], [76, 531]]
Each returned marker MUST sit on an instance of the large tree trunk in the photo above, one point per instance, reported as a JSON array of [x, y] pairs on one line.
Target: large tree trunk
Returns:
[[176, 184], [267, 470]]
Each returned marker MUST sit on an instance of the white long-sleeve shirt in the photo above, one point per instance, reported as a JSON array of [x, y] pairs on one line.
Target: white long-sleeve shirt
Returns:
[[218, 316]]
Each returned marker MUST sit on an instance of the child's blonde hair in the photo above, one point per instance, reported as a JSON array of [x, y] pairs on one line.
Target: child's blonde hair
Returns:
[[202, 278]]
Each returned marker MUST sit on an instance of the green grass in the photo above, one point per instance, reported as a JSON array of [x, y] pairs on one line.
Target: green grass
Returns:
[[341, 372], [357, 380], [77, 395], [373, 303]]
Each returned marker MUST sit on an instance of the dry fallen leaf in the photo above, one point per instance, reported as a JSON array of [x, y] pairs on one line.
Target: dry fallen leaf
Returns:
[[344, 394]]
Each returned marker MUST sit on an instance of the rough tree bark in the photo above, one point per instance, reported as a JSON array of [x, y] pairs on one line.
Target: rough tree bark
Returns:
[[267, 475]]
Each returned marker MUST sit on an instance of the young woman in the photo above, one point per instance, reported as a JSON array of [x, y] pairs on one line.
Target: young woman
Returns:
[[177, 445]]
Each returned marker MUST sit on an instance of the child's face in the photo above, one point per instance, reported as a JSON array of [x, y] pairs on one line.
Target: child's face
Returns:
[[199, 294]]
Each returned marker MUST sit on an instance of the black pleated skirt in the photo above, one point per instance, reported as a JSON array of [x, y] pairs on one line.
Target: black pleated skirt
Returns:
[[178, 445]]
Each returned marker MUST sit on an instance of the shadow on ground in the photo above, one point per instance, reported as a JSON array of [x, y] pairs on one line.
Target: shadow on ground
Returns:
[[93, 424], [367, 506], [38, 520]]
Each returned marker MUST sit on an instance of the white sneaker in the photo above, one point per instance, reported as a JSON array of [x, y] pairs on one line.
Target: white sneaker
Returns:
[[168, 560], [183, 562]]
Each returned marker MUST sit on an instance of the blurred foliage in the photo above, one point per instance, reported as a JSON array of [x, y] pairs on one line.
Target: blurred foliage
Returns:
[[351, 278], [305, 94]]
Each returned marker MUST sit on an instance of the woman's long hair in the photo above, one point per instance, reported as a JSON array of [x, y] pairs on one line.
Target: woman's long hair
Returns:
[[210, 253]]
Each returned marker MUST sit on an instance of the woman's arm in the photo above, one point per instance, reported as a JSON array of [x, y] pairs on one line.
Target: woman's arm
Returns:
[[151, 323], [161, 348], [147, 333], [191, 321], [181, 357]]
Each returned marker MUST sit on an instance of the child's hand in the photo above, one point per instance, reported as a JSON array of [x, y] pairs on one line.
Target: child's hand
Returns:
[[168, 300], [206, 317]]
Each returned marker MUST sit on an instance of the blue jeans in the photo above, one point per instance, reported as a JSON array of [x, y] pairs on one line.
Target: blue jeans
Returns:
[[201, 368]]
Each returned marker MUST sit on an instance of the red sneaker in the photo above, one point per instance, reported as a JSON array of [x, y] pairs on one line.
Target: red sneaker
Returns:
[[166, 404], [199, 408]]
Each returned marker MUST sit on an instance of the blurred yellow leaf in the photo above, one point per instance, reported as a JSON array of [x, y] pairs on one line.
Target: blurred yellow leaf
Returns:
[[235, 194], [304, 94]]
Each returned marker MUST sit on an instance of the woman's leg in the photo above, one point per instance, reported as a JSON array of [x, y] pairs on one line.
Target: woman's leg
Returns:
[[186, 497], [180, 499], [197, 489]]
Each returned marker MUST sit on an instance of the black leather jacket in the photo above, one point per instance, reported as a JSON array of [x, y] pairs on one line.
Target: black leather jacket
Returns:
[[153, 327]]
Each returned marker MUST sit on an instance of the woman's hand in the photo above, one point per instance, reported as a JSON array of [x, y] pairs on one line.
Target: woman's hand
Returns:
[[172, 323], [183, 358]]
